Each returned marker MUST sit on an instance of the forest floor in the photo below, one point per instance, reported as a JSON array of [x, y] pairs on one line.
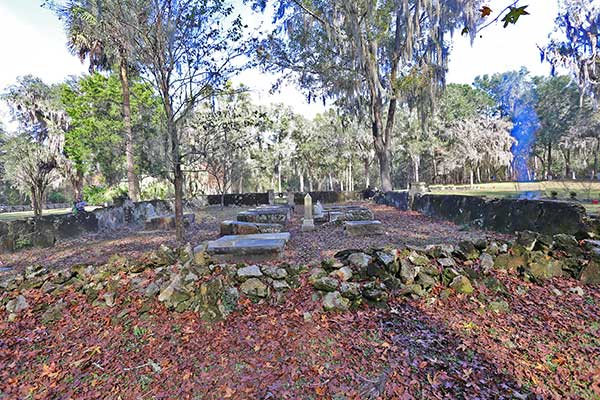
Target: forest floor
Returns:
[[546, 346]]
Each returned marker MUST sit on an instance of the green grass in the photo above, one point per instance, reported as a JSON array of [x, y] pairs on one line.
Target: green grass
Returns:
[[26, 214], [586, 191]]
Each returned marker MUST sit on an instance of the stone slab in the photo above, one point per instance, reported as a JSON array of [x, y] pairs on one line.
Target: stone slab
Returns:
[[266, 215], [285, 236], [363, 228], [247, 228], [255, 247]]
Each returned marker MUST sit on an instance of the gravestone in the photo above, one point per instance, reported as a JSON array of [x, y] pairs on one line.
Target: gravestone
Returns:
[[363, 228], [290, 200], [308, 223], [271, 194]]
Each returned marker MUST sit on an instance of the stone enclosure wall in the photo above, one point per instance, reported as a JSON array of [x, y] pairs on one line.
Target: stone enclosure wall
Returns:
[[46, 230], [501, 215]]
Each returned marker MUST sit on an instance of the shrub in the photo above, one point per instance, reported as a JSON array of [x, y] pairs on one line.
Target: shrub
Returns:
[[554, 194], [573, 195]]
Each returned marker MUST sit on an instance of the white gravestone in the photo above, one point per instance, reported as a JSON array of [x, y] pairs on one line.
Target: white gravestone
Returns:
[[308, 224]]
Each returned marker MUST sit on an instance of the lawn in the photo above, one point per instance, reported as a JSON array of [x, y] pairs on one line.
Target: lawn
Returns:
[[11, 216], [585, 190]]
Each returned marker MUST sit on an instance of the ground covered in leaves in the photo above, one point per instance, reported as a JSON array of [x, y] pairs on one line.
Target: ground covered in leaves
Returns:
[[545, 346], [401, 227], [537, 341]]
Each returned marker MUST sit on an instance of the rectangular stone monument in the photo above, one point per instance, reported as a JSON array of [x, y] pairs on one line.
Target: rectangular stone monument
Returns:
[[363, 228], [308, 223]]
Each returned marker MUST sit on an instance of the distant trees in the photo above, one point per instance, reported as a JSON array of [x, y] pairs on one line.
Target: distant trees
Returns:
[[96, 36], [379, 54]]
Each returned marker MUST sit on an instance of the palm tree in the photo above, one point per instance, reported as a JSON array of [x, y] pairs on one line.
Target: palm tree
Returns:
[[97, 38]]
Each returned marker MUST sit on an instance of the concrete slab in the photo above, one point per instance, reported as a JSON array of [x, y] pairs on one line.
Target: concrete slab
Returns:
[[363, 228]]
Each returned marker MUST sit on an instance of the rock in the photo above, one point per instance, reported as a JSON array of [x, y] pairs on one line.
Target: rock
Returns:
[[493, 249], [510, 262], [446, 262], [254, 287], [385, 258], [590, 274], [480, 244], [542, 267], [495, 285], [190, 277], [152, 290], [427, 281], [48, 287], [374, 291], [54, 312], [503, 248], [316, 274], [343, 274], [462, 285], [326, 284], [466, 250], [408, 272], [63, 275], [527, 239], [486, 262], [251, 271], [334, 301], [499, 307], [350, 290], [430, 270], [280, 285], [109, 299], [414, 289], [359, 260], [330, 264], [577, 290], [375, 270], [566, 243], [418, 259], [16, 305], [174, 293], [34, 271], [274, 272], [439, 250], [556, 292]]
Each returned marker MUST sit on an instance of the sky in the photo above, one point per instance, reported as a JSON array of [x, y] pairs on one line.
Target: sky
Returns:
[[33, 42]]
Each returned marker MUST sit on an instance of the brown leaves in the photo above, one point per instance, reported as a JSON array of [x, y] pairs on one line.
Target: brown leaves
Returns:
[[485, 11]]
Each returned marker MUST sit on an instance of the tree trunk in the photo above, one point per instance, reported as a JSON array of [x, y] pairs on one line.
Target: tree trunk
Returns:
[[330, 182], [279, 177], [416, 167], [471, 176], [596, 151], [301, 177], [367, 165], [177, 172], [132, 179], [567, 156], [549, 174], [36, 202]]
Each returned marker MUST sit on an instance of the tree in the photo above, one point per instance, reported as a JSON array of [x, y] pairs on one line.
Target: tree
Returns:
[[94, 36], [217, 139], [557, 108], [574, 44], [94, 142], [385, 52], [31, 167], [184, 49]]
